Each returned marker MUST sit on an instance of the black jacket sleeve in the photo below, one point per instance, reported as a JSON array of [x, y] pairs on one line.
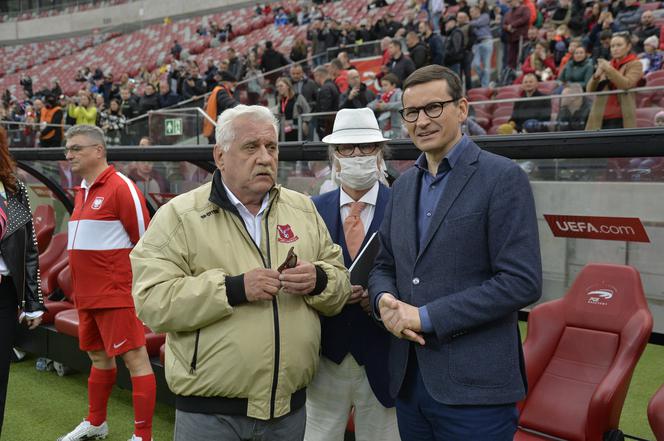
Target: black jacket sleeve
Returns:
[[33, 295]]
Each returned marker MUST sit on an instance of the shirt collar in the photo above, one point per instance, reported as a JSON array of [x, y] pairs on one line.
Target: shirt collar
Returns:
[[450, 160], [370, 197], [239, 205]]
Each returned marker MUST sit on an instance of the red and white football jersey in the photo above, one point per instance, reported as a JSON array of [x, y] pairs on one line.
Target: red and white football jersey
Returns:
[[108, 219]]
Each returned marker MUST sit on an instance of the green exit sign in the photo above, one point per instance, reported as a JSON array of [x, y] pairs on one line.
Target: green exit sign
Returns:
[[173, 127]]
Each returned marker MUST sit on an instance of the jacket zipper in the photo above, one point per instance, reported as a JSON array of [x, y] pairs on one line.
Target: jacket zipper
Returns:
[[275, 312], [268, 264]]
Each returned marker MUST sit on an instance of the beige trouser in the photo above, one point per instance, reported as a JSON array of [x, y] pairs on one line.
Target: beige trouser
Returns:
[[334, 390]]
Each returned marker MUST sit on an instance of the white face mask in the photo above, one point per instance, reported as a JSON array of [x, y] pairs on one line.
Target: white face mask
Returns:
[[359, 172]]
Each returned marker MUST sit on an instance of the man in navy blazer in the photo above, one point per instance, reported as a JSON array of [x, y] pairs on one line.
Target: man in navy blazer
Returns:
[[354, 346], [459, 257]]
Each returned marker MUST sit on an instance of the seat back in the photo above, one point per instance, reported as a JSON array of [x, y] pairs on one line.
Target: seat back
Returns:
[[43, 220], [65, 283], [51, 261], [656, 413], [581, 351]]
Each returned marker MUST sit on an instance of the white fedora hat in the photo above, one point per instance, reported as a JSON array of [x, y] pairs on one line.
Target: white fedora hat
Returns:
[[355, 126]]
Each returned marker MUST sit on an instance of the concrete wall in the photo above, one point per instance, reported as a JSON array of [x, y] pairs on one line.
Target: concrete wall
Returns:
[[134, 11], [563, 258]]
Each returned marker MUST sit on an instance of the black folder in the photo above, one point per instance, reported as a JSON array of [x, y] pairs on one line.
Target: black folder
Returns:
[[364, 262]]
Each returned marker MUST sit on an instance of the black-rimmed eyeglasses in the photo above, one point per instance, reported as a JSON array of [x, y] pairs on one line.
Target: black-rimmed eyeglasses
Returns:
[[365, 149], [432, 110]]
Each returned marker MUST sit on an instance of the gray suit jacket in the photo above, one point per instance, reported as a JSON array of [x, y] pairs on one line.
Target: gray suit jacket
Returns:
[[480, 264]]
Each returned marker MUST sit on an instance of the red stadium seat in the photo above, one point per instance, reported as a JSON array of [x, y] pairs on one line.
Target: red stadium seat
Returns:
[[652, 6], [56, 306], [479, 94], [547, 87], [648, 113], [580, 354], [503, 109], [44, 223], [656, 414], [654, 75], [66, 322], [52, 261], [501, 120], [153, 342]]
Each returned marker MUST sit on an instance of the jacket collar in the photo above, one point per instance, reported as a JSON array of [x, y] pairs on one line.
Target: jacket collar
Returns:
[[102, 178], [219, 196]]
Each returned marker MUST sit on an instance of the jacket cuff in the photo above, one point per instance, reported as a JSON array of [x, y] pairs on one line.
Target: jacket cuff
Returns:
[[235, 290], [321, 281]]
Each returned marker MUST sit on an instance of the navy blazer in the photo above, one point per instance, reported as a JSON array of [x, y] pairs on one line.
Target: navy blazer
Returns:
[[479, 264], [353, 331]]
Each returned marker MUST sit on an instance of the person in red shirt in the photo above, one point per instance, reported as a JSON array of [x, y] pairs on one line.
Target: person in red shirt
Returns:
[[109, 217]]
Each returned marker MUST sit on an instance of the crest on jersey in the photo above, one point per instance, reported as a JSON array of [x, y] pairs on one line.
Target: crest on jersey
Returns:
[[96, 204]]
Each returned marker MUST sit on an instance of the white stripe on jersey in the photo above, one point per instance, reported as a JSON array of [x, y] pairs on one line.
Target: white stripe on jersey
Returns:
[[96, 235], [137, 203]]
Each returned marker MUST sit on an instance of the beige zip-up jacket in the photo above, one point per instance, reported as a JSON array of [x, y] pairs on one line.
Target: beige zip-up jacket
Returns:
[[223, 354]]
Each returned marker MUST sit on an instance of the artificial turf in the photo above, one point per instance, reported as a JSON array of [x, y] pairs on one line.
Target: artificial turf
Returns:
[[42, 406]]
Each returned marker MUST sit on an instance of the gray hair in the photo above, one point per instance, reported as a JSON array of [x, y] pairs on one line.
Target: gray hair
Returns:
[[225, 130], [93, 132]]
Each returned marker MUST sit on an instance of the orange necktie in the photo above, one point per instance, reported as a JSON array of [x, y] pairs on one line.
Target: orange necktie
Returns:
[[354, 229]]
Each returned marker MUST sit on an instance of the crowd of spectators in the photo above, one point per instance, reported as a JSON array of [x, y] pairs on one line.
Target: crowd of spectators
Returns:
[[568, 41]]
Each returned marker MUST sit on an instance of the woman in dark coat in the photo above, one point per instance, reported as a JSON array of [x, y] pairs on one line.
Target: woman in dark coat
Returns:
[[20, 295]]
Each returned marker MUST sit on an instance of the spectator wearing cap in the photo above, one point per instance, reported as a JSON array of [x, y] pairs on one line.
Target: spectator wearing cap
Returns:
[[219, 100], [387, 106], [435, 43], [651, 56], [351, 372], [399, 64], [455, 51], [272, 60]]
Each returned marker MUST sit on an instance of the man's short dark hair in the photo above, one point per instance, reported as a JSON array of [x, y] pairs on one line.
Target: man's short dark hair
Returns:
[[337, 63], [435, 72]]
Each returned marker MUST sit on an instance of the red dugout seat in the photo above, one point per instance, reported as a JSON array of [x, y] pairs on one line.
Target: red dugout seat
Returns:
[[44, 223], [66, 322], [580, 354], [52, 261], [153, 342], [656, 414], [56, 306]]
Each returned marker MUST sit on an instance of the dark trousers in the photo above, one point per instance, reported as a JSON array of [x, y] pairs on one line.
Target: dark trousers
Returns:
[[7, 332], [422, 418], [512, 54]]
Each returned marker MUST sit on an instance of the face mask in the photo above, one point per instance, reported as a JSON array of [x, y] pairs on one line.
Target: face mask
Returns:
[[359, 173]]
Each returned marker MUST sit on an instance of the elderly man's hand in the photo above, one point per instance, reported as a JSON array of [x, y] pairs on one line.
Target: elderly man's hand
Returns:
[[401, 319], [299, 280], [355, 295], [261, 284]]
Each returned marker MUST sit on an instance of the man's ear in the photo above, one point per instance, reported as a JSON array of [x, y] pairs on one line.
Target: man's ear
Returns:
[[218, 154]]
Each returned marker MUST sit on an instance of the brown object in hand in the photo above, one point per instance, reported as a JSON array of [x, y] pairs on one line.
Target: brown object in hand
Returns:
[[290, 262]]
